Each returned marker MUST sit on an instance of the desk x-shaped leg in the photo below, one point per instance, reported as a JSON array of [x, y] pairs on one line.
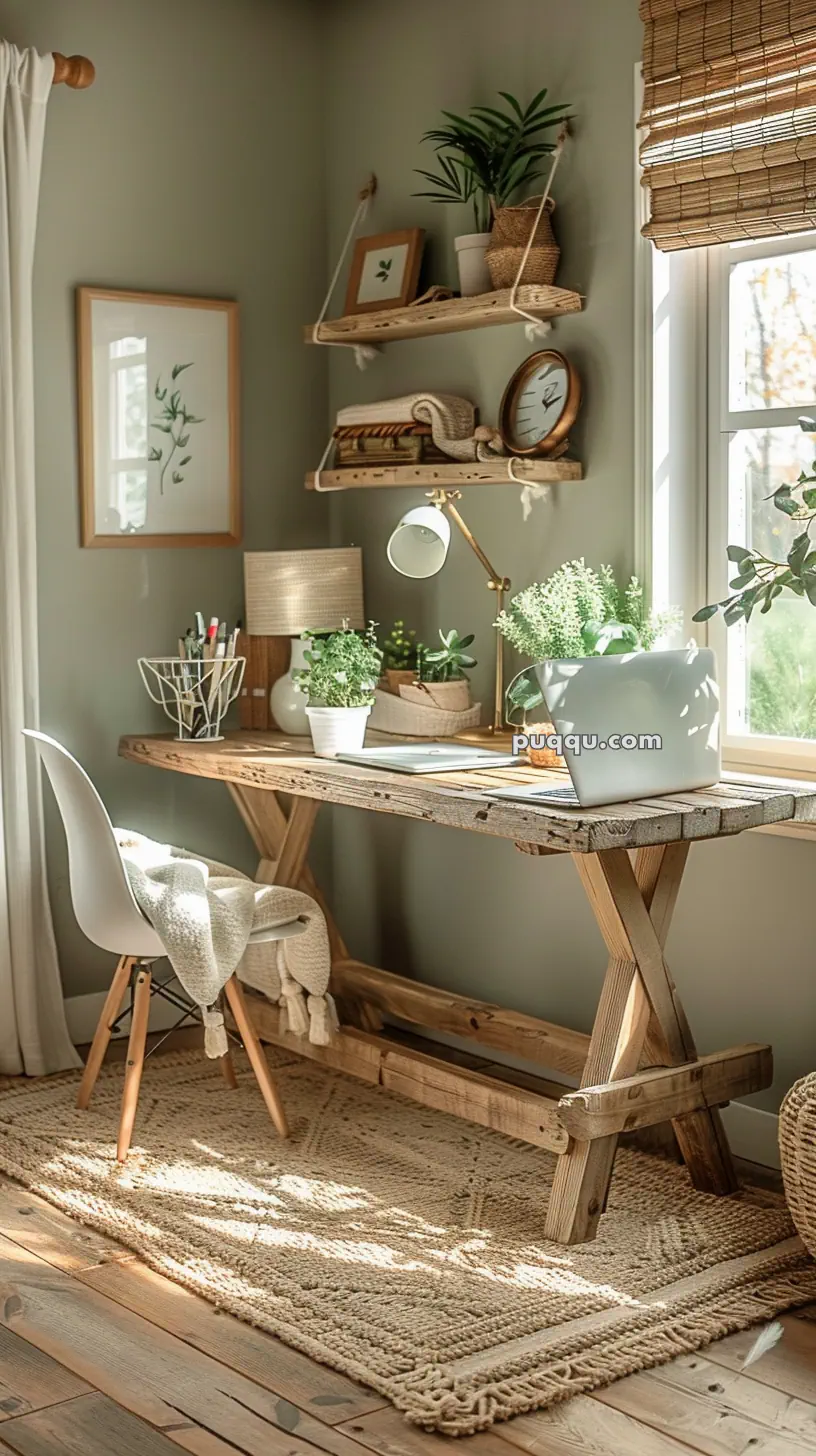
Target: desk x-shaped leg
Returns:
[[282, 841], [633, 905]]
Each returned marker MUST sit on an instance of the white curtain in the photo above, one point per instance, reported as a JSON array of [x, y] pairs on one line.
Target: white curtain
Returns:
[[33, 1035]]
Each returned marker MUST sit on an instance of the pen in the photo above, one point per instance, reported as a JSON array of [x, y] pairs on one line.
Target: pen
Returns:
[[211, 635], [218, 668]]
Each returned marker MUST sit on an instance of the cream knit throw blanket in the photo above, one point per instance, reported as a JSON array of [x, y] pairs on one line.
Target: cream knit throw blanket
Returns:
[[205, 913]]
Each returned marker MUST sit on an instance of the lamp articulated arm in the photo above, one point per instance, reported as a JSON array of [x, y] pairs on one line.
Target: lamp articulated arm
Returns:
[[445, 500]]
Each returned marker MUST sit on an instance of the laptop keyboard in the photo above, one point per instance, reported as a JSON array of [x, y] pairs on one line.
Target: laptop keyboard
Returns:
[[564, 796]]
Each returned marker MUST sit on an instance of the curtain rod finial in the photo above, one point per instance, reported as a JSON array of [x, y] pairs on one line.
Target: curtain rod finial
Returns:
[[76, 71]]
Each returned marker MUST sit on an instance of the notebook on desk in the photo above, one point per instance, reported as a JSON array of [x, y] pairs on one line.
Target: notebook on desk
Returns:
[[419, 758]]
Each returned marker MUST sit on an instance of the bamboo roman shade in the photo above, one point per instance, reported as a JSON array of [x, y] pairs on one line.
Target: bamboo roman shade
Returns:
[[730, 111]]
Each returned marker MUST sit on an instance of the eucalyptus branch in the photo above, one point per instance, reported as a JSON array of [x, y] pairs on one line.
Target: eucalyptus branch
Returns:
[[760, 579]]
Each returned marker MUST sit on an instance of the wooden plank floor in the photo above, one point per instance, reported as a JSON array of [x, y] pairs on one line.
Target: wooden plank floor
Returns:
[[98, 1354]]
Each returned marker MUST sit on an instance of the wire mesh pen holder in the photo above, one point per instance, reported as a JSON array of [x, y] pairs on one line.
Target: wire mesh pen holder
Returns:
[[195, 694]]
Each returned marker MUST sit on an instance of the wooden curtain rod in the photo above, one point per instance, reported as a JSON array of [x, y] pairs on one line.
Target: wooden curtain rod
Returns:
[[76, 71]]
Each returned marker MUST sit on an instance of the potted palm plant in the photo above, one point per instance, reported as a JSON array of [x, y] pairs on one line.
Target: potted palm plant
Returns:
[[485, 159], [443, 674], [340, 676]]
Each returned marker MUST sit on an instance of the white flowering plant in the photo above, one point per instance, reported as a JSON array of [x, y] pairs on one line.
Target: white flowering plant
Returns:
[[578, 612]]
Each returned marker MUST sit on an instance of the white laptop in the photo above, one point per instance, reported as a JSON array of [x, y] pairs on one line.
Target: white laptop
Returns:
[[636, 699]]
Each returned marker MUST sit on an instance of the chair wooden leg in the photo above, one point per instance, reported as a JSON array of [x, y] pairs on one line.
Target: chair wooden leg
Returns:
[[135, 1061], [255, 1052], [102, 1035], [228, 1071]]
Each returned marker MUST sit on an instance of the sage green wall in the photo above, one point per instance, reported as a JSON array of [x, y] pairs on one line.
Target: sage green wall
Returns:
[[456, 909], [193, 165]]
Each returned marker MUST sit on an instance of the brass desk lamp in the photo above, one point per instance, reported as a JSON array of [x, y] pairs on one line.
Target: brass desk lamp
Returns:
[[418, 548]]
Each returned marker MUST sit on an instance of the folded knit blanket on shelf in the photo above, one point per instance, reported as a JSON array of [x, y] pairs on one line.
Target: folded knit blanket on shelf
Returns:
[[451, 418], [205, 913]]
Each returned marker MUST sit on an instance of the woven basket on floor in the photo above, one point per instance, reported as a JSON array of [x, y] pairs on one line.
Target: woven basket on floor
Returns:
[[509, 238], [797, 1146]]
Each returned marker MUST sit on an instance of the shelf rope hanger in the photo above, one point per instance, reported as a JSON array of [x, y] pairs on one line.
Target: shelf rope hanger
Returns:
[[363, 353]]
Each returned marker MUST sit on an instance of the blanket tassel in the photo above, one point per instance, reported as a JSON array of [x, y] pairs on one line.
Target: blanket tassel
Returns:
[[324, 1020], [215, 1036], [294, 1003]]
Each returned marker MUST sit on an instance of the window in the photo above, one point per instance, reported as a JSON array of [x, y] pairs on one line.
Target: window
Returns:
[[127, 432], [732, 342]]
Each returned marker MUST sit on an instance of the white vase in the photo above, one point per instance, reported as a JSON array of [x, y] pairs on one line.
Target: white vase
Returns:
[[286, 701], [337, 730], [471, 256]]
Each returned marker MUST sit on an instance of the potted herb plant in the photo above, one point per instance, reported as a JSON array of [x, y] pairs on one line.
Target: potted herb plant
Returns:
[[443, 674], [400, 657], [340, 676], [486, 158], [576, 612]]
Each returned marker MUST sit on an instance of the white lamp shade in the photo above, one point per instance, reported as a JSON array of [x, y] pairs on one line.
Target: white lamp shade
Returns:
[[289, 592], [419, 545]]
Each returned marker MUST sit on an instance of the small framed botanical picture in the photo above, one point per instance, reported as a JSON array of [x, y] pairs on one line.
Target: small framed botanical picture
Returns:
[[385, 271], [158, 419]]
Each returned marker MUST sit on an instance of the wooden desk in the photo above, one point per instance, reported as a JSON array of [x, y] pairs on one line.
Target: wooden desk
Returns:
[[638, 1068]]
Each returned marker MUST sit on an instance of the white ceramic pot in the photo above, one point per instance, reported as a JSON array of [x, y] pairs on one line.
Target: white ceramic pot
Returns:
[[337, 730], [287, 702], [471, 256]]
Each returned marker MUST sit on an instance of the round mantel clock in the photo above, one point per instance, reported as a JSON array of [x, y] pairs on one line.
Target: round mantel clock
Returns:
[[539, 406]]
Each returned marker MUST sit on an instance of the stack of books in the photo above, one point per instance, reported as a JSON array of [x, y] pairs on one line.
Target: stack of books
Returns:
[[385, 433]]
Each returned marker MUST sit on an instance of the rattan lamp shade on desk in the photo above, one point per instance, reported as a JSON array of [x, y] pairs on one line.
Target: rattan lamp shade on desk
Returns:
[[290, 592]]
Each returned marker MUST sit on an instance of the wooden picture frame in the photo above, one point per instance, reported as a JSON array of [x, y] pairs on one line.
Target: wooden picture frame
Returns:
[[399, 254], [159, 447]]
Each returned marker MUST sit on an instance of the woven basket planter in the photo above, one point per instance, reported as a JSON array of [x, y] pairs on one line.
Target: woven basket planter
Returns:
[[797, 1146], [394, 715], [511, 233]]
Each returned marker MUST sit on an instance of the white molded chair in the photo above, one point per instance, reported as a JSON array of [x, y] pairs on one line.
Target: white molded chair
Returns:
[[107, 912]]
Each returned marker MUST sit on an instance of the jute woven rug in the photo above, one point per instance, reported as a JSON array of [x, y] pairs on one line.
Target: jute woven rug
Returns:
[[399, 1245]]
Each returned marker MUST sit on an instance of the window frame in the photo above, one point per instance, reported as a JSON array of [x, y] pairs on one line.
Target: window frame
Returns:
[[691, 290], [750, 750]]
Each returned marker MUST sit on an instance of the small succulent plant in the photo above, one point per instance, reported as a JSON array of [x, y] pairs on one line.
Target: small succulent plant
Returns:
[[448, 663]]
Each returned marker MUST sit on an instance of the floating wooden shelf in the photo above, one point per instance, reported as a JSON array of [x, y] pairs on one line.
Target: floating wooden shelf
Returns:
[[533, 472], [451, 316]]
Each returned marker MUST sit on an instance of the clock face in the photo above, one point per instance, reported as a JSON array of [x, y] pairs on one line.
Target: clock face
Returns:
[[539, 403]]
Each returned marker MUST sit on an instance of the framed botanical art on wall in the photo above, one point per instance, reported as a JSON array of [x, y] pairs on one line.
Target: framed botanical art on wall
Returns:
[[158, 419]]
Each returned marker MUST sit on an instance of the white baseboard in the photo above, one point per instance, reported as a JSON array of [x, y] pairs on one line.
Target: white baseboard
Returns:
[[83, 1012], [752, 1133]]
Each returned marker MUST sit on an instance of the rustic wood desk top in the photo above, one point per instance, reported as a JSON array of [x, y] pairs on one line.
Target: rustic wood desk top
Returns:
[[460, 800]]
